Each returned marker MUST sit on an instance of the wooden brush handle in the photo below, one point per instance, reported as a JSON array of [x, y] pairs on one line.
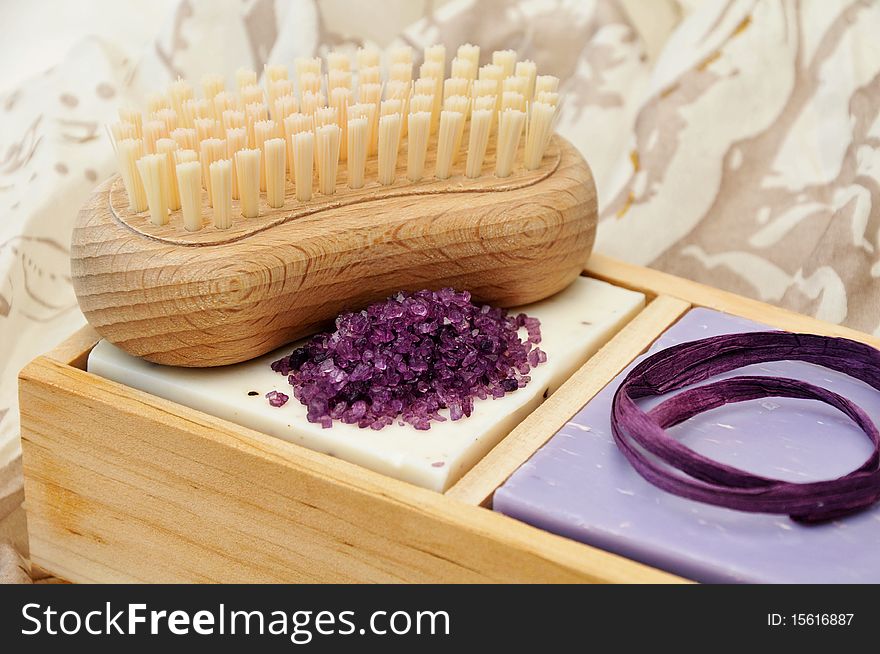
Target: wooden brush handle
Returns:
[[216, 297]]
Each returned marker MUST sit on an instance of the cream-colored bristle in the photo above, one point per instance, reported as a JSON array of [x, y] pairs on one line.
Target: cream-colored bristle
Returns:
[[367, 58], [236, 139], [389, 143], [195, 109], [283, 107], [168, 147], [548, 83], [167, 116], [181, 156], [189, 181], [122, 131], [179, 91], [294, 124], [274, 73], [539, 129], [186, 138], [326, 116], [456, 86], [245, 77], [156, 101], [484, 88], [128, 151], [153, 131], [460, 103], [481, 126], [206, 128], [492, 71], [417, 144], [463, 68], [401, 72], [485, 102], [311, 102], [371, 75], [185, 154], [424, 86], [263, 131], [309, 83], [547, 97], [152, 170], [506, 59], [432, 69], [370, 111], [397, 90], [448, 137], [221, 193], [278, 89], [232, 118], [394, 106], [338, 61], [510, 127], [527, 70], [469, 52], [400, 54], [514, 84], [327, 139], [340, 99], [437, 54], [422, 102], [303, 162], [513, 100], [303, 65], [252, 94], [133, 116], [247, 167], [337, 79], [358, 142], [275, 155], [212, 84], [254, 113], [210, 150], [223, 102], [370, 93]]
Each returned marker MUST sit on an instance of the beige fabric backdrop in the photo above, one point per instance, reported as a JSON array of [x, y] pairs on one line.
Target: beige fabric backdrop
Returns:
[[736, 142]]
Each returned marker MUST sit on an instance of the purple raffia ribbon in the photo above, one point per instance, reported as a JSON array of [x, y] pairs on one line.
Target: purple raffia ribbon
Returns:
[[659, 458]]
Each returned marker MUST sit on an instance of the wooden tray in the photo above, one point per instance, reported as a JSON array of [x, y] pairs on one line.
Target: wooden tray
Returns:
[[121, 486]]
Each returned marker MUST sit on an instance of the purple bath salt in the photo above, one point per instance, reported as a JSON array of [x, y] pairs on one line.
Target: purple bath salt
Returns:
[[277, 398], [579, 484], [411, 356]]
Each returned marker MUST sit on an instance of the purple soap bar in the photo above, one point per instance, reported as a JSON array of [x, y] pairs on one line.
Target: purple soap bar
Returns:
[[580, 486]]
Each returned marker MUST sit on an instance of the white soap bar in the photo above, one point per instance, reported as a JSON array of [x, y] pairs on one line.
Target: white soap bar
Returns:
[[574, 324]]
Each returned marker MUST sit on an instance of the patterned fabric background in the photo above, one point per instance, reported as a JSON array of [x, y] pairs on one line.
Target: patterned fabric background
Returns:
[[735, 142]]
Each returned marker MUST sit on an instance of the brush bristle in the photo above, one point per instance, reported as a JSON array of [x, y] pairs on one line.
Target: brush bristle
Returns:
[[267, 134]]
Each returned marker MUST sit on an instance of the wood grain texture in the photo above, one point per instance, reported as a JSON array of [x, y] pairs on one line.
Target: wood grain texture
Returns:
[[283, 276], [125, 487], [478, 485]]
